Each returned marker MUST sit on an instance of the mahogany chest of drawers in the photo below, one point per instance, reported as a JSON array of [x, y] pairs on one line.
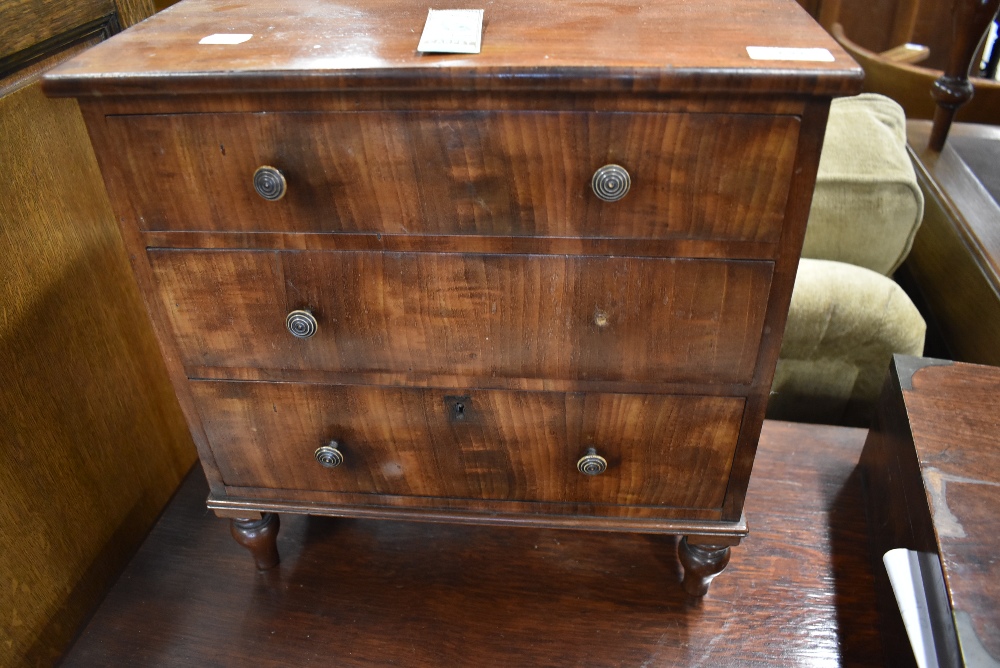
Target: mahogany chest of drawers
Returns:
[[541, 285]]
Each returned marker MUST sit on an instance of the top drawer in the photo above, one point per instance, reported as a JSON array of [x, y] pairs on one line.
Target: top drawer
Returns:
[[705, 176]]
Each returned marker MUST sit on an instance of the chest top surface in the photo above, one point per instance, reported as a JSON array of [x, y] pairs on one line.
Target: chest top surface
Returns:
[[617, 45]]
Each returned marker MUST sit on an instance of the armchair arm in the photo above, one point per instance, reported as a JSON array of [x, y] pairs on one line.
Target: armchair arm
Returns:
[[844, 324], [867, 205]]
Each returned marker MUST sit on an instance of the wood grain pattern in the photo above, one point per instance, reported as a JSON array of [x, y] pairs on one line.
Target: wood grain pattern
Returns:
[[672, 520], [487, 173], [960, 461], [374, 99], [25, 23], [574, 45], [466, 243], [93, 444], [930, 466], [136, 253], [445, 239], [497, 445], [893, 489], [357, 592], [30, 74], [516, 316], [880, 25], [787, 260], [131, 12], [37, 58], [412, 379]]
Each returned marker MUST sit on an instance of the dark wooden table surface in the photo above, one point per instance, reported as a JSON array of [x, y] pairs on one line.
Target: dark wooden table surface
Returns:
[[931, 467], [368, 593]]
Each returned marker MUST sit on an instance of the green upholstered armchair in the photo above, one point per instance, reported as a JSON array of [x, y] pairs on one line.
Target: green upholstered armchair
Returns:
[[847, 316]]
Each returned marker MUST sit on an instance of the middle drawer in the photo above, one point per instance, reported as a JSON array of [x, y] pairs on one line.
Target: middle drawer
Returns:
[[513, 316]]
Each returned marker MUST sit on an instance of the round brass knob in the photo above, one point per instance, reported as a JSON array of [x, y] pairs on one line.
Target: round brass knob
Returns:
[[592, 463], [611, 183], [329, 456], [269, 183], [301, 324]]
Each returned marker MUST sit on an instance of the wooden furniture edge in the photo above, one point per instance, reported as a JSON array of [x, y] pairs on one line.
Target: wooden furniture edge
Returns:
[[786, 266], [889, 459], [230, 507]]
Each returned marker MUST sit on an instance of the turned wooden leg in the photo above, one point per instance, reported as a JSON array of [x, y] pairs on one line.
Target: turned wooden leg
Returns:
[[701, 564], [260, 537]]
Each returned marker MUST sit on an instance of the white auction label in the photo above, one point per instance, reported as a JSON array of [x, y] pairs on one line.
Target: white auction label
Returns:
[[225, 38], [788, 53], [452, 31]]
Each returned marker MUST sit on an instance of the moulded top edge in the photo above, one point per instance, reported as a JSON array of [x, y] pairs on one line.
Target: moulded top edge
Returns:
[[659, 46]]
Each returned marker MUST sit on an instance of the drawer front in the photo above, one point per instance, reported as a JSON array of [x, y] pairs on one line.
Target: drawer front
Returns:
[[515, 316], [524, 446], [718, 176]]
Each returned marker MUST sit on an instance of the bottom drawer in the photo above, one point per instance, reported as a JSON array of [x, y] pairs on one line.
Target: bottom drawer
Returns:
[[661, 450]]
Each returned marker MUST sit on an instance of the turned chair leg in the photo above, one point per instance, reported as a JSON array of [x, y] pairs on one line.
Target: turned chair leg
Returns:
[[260, 537], [701, 564]]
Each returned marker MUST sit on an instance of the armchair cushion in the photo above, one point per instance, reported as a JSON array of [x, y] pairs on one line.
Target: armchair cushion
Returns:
[[867, 205], [844, 324]]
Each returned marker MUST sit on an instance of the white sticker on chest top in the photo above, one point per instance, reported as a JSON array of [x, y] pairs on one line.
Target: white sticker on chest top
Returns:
[[787, 53], [225, 38], [452, 31]]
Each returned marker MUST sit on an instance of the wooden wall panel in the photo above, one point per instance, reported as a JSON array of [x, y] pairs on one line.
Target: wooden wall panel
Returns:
[[879, 25], [133, 11], [26, 23], [93, 443]]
